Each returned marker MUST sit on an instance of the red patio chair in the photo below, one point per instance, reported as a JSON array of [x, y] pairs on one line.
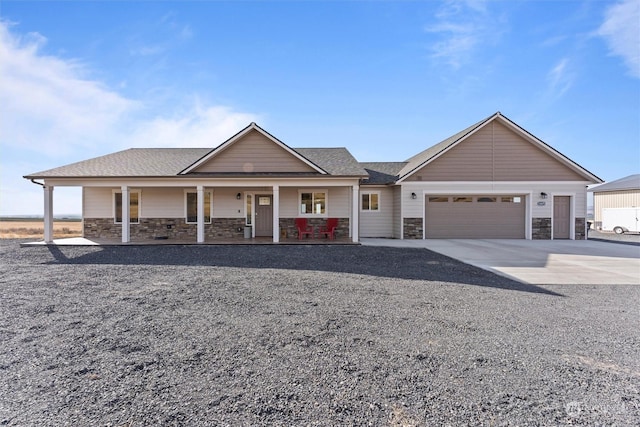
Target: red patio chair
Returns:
[[303, 228], [329, 229]]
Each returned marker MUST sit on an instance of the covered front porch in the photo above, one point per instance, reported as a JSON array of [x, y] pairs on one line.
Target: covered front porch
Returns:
[[211, 212]]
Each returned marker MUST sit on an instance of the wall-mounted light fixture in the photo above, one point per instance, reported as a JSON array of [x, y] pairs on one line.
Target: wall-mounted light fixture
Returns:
[[543, 195], [414, 196], [239, 196]]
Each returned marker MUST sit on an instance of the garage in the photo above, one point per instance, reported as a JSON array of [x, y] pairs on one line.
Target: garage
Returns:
[[475, 217]]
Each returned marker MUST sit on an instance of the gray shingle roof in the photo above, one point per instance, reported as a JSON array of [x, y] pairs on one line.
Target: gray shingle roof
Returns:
[[335, 161], [131, 162], [382, 172], [631, 182], [166, 162]]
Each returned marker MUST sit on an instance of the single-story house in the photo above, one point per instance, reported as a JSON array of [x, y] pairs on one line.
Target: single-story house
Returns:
[[491, 180], [621, 193]]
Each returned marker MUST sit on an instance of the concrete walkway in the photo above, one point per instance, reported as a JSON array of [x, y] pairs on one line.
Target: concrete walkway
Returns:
[[539, 262]]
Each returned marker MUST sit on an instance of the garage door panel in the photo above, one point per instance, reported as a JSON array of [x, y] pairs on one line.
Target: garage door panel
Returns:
[[475, 220]]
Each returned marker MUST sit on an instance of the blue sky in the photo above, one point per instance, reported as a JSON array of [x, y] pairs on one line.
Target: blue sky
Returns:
[[386, 79]]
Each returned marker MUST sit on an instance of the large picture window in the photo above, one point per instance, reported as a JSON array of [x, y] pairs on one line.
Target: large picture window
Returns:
[[192, 207], [134, 207], [313, 202], [370, 202]]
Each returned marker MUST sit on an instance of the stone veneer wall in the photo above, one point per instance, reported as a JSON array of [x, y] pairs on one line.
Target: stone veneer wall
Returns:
[[580, 229], [412, 228], [165, 228], [541, 228], [289, 225], [225, 228]]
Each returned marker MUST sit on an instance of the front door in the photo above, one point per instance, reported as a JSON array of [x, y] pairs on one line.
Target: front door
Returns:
[[561, 217], [264, 215]]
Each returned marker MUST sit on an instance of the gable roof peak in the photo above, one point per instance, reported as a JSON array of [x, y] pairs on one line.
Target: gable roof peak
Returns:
[[238, 136], [421, 159]]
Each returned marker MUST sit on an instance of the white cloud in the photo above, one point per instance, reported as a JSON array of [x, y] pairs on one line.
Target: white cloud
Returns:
[[621, 29], [53, 113], [462, 26], [46, 103], [560, 78], [199, 127]]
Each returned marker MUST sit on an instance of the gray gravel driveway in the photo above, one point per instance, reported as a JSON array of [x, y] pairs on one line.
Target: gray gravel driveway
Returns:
[[305, 335]]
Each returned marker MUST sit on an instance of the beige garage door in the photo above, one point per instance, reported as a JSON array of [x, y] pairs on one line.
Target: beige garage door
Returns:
[[475, 217]]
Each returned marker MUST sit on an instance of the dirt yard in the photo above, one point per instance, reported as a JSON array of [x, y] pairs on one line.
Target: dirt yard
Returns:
[[35, 229]]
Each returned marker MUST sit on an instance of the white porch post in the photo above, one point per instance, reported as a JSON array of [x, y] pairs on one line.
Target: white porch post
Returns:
[[355, 213], [48, 213], [200, 208], [276, 214], [125, 213]]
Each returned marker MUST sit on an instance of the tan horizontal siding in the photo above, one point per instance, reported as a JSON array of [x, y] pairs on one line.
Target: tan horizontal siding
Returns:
[[516, 159], [378, 223], [97, 202], [495, 153], [162, 203], [469, 161], [614, 199], [289, 202], [254, 153], [226, 204], [340, 202]]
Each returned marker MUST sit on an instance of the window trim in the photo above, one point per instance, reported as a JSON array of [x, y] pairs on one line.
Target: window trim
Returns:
[[186, 216], [369, 193], [113, 204], [313, 191]]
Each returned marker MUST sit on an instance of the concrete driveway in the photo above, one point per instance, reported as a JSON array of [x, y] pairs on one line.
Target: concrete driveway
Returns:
[[540, 262]]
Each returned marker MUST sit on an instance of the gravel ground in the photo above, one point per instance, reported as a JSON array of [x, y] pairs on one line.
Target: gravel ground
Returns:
[[305, 335]]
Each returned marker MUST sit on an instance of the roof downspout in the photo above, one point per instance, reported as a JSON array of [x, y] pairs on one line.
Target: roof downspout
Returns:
[[36, 182]]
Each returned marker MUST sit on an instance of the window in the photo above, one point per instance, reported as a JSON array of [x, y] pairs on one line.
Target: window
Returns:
[[370, 202], [511, 199], [487, 199], [191, 207], [134, 200], [462, 199], [313, 202], [438, 199]]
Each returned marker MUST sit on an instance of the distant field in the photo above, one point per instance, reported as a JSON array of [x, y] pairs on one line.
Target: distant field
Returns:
[[27, 228]]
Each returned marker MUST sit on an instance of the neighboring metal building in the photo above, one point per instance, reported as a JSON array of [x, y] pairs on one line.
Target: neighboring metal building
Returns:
[[621, 193]]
